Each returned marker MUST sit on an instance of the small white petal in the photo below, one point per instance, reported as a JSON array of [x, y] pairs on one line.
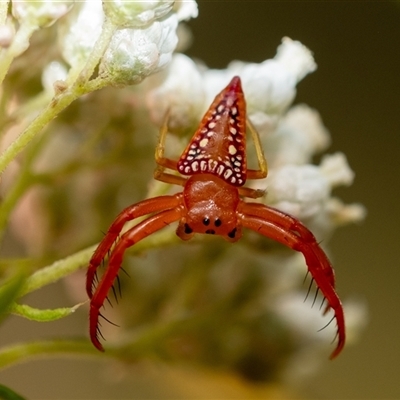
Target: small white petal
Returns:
[[55, 71], [80, 30], [186, 9], [135, 14], [181, 93], [336, 169], [299, 135], [40, 12], [343, 214], [295, 58], [134, 54], [298, 190], [270, 86]]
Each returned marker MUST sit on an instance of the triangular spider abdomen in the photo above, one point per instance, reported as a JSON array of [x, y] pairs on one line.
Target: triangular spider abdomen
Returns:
[[218, 146]]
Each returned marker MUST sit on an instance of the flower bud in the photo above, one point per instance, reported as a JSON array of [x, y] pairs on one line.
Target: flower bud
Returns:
[[134, 54], [135, 14], [41, 13], [52, 73], [79, 32]]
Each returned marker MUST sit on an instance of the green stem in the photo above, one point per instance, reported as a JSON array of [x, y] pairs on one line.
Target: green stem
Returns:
[[107, 31], [50, 112], [25, 351], [66, 266], [19, 44], [38, 315], [146, 342], [62, 100], [57, 270]]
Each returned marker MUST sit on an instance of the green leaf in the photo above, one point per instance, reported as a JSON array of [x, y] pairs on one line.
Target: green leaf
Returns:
[[8, 394], [35, 314]]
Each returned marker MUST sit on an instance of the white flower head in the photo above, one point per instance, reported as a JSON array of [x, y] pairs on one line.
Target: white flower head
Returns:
[[186, 9], [342, 214], [40, 13], [134, 54], [337, 170], [79, 32], [295, 58], [136, 14], [270, 86], [299, 135], [181, 94], [300, 190]]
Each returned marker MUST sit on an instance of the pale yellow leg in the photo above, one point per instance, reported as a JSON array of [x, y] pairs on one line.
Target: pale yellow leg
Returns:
[[164, 162], [159, 155], [262, 172], [252, 193]]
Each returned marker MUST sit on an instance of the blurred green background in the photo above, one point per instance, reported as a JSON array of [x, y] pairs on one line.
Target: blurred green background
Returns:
[[356, 88]]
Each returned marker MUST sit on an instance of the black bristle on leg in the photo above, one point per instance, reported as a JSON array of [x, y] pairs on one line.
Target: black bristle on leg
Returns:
[[322, 303], [315, 297], [309, 289], [325, 326], [109, 301], [106, 319], [114, 293], [119, 287]]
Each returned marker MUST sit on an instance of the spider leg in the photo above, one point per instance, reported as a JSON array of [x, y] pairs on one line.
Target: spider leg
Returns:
[[128, 239], [262, 172], [292, 233], [134, 211], [159, 154]]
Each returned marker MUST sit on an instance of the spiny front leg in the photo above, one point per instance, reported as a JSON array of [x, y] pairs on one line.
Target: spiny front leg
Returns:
[[291, 224], [292, 233], [128, 239], [134, 211]]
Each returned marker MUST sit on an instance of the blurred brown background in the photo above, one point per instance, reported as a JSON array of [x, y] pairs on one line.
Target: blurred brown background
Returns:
[[356, 88]]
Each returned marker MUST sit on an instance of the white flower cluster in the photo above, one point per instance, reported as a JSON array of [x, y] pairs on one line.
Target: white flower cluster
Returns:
[[131, 39], [41, 13], [143, 42]]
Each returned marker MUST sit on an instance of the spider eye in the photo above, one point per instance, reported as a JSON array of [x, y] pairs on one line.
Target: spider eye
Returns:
[[206, 221], [217, 222], [232, 233], [188, 229], [210, 231]]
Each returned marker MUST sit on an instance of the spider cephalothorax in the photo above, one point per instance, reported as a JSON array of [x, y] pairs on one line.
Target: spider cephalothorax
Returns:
[[211, 207], [213, 171]]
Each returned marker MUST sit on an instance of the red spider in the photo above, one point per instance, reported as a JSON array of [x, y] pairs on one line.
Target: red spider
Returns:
[[213, 171]]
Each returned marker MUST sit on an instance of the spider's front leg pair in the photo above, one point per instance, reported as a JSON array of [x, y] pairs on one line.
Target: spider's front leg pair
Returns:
[[212, 170]]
